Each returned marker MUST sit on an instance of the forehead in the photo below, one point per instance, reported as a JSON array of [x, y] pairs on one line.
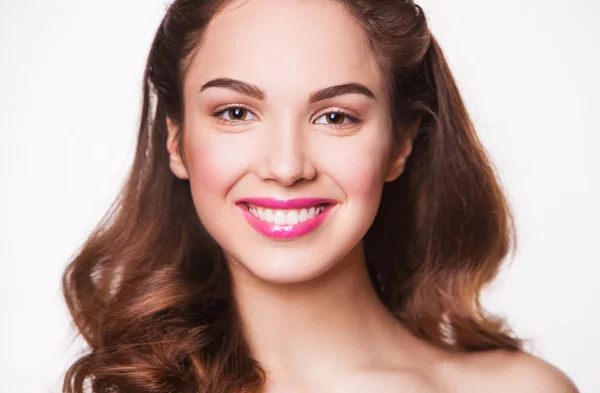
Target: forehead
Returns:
[[285, 46]]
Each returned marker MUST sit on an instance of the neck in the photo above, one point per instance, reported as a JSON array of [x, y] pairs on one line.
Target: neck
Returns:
[[305, 331]]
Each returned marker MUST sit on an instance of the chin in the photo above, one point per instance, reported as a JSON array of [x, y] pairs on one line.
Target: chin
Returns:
[[283, 266]]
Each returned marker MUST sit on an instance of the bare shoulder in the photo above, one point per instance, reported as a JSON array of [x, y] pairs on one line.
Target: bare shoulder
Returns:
[[504, 371]]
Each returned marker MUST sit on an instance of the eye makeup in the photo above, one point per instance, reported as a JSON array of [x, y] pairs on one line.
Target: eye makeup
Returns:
[[334, 115]]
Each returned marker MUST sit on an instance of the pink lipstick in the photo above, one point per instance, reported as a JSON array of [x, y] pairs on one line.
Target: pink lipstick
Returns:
[[285, 219]]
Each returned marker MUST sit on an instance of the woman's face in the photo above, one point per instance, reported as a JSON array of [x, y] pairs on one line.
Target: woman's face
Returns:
[[286, 169]]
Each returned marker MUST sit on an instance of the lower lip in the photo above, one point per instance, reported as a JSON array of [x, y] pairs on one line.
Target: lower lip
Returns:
[[285, 232]]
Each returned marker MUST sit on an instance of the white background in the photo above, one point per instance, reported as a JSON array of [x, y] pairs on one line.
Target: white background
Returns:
[[70, 94]]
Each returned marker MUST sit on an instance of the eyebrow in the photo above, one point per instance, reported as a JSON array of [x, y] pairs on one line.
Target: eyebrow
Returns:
[[316, 96], [339, 90]]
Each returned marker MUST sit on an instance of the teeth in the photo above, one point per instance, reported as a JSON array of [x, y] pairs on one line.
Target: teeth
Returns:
[[268, 215], [292, 217], [279, 218], [285, 217], [303, 215]]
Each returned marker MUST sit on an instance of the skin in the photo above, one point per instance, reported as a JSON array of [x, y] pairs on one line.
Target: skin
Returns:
[[308, 308]]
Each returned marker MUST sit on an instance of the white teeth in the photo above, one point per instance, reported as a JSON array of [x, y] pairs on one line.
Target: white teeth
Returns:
[[279, 218], [268, 215], [285, 217], [292, 217], [303, 215]]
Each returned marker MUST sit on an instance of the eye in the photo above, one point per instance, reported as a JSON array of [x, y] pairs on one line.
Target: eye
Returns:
[[337, 118], [234, 114]]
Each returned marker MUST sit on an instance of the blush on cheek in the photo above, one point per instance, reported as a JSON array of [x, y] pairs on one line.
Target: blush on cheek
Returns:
[[362, 178], [217, 161], [357, 166]]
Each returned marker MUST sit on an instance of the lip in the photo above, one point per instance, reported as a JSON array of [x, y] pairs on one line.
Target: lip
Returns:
[[285, 232], [298, 203]]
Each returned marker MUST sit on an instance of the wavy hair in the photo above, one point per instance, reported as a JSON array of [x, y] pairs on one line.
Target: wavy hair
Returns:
[[150, 291]]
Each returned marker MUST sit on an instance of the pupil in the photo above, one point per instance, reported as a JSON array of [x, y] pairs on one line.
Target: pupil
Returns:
[[237, 113], [336, 118]]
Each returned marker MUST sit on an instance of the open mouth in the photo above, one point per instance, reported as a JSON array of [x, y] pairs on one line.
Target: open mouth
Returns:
[[285, 219], [285, 216]]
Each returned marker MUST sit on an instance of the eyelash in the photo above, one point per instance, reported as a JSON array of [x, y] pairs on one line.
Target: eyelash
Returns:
[[351, 119]]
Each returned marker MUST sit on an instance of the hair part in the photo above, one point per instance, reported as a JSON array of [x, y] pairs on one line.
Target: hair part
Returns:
[[150, 291]]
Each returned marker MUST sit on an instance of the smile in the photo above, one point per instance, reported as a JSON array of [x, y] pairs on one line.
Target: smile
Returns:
[[279, 219]]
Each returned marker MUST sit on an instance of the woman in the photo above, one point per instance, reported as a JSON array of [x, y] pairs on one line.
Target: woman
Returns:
[[309, 209]]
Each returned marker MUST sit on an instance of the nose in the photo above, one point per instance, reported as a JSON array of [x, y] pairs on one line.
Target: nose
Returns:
[[286, 158]]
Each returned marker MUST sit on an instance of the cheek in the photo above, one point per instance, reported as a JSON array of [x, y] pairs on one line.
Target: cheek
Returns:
[[357, 164], [216, 161]]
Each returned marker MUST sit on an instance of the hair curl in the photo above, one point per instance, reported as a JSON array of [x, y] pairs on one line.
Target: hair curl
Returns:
[[150, 291]]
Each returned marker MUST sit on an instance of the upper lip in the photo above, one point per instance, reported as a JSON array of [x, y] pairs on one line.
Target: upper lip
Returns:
[[296, 203]]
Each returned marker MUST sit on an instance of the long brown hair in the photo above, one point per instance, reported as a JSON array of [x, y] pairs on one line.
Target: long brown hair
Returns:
[[150, 291]]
